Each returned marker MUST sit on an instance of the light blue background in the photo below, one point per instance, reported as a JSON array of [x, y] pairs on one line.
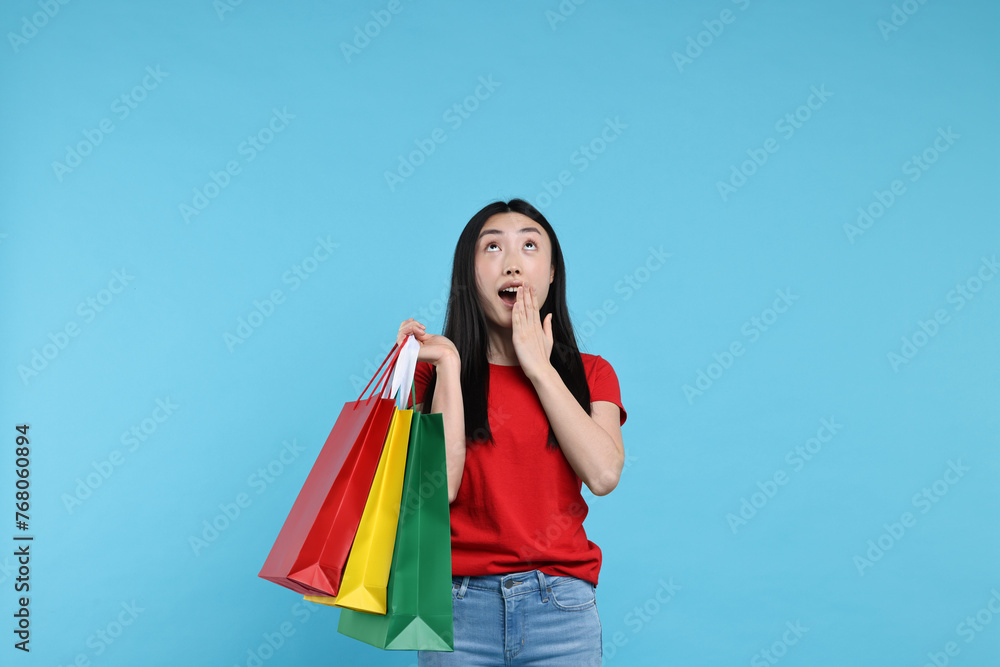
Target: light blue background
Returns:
[[654, 187]]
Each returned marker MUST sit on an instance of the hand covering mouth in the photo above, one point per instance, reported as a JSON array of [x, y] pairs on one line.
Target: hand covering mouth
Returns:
[[508, 292]]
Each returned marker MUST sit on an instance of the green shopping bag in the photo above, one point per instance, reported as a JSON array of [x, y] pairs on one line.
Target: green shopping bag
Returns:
[[418, 596]]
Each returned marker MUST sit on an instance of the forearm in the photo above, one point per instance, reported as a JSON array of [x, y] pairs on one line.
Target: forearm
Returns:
[[448, 402], [588, 448]]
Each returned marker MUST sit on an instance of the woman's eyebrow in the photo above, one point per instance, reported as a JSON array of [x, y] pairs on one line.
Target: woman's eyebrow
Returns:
[[498, 232]]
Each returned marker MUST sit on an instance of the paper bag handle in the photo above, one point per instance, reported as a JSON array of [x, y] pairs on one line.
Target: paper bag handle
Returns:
[[403, 371], [394, 353]]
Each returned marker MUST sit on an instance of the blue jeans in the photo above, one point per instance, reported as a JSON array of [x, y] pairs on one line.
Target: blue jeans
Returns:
[[524, 618]]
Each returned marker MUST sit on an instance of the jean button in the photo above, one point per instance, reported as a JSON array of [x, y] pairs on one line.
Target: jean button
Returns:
[[509, 583]]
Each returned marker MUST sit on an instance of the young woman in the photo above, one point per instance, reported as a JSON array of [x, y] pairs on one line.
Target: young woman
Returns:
[[528, 420]]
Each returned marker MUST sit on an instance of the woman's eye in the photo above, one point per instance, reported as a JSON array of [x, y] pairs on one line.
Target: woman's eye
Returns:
[[533, 244]]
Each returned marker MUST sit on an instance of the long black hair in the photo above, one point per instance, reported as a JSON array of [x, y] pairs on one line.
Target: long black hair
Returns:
[[465, 325]]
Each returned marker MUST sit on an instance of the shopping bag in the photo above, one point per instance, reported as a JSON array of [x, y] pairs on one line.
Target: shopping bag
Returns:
[[366, 574], [311, 549], [367, 571], [418, 596]]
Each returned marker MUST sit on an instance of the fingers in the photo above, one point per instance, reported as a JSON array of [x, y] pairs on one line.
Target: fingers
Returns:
[[521, 314], [528, 303], [533, 309], [411, 327]]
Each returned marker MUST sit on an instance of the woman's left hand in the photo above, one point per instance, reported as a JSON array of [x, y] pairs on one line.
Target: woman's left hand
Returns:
[[532, 338]]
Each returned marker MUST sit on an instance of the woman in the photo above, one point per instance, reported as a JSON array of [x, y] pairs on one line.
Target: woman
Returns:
[[528, 420]]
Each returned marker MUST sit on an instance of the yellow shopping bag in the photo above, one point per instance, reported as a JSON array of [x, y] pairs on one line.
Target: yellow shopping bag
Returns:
[[366, 574]]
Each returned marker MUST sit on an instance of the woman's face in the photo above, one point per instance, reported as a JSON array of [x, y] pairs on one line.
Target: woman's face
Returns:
[[512, 248]]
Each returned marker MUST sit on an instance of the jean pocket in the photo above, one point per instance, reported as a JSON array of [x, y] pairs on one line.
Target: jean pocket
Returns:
[[573, 595]]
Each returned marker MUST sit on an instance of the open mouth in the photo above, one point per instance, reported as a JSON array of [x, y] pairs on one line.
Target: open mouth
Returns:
[[508, 296]]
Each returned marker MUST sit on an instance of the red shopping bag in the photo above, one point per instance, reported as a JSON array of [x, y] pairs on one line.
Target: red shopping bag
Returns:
[[311, 549]]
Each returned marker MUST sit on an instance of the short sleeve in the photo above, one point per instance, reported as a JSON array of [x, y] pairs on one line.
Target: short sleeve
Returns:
[[604, 385], [421, 378]]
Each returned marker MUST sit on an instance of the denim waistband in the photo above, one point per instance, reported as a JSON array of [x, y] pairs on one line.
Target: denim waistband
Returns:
[[509, 585]]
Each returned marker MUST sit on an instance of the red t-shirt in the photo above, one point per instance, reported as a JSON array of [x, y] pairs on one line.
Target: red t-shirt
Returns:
[[520, 506]]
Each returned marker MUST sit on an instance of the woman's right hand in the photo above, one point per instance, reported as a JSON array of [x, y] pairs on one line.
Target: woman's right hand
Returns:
[[434, 349]]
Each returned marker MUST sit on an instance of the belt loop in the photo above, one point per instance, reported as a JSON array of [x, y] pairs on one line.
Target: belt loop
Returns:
[[463, 587], [542, 586]]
